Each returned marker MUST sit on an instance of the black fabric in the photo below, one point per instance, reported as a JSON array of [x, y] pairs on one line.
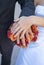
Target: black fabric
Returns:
[[6, 13], [6, 18], [6, 50], [27, 7]]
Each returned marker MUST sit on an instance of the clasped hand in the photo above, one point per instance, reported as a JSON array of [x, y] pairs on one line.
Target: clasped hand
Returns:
[[22, 28]]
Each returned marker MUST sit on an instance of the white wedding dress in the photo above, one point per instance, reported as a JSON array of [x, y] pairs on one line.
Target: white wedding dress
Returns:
[[34, 53]]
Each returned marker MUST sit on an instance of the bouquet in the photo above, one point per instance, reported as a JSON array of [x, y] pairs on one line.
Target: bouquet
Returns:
[[13, 39]]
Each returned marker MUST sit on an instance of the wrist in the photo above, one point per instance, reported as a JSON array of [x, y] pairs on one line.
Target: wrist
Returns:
[[35, 20], [38, 21]]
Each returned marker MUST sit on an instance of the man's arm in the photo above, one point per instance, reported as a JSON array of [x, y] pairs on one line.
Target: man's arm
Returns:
[[27, 7]]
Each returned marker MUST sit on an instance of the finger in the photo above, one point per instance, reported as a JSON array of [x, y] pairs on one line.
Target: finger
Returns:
[[12, 28], [18, 33], [23, 41], [28, 38], [16, 30], [15, 26], [31, 32], [23, 33], [18, 39]]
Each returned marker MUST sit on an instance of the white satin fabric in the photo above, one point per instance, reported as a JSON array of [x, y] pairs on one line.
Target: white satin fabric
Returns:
[[34, 53]]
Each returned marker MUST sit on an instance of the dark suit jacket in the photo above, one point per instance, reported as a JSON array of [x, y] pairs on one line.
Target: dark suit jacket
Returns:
[[6, 18], [7, 11]]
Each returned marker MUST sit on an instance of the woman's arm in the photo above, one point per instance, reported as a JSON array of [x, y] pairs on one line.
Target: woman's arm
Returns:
[[39, 21], [36, 2]]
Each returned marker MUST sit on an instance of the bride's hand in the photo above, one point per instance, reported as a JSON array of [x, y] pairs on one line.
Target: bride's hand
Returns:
[[24, 41], [23, 24]]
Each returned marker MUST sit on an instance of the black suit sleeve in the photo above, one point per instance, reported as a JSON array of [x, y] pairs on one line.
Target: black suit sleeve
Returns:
[[27, 7]]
